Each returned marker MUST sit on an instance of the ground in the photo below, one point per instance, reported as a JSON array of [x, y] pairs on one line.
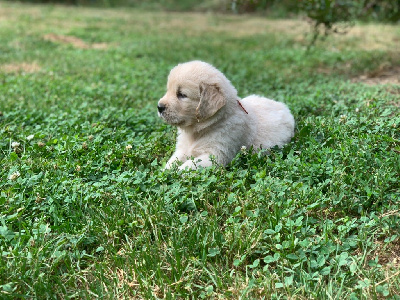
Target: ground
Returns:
[[86, 210]]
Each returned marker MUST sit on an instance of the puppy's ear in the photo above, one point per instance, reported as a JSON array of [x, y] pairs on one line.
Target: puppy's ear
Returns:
[[211, 100]]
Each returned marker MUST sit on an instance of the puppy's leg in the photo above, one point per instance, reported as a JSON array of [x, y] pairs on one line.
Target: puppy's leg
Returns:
[[177, 156], [202, 160]]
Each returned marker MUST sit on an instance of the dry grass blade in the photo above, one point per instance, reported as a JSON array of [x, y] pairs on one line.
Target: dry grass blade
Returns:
[[73, 41], [20, 67]]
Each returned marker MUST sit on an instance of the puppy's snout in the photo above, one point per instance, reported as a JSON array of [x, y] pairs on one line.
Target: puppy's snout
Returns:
[[161, 107]]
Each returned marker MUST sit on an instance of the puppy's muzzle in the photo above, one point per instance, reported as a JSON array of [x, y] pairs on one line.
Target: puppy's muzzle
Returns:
[[161, 108]]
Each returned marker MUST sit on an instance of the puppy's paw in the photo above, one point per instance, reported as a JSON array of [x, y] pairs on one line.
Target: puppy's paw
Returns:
[[171, 163], [167, 166], [188, 165]]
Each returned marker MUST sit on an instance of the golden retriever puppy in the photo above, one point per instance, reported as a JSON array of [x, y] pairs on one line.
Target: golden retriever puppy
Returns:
[[213, 121]]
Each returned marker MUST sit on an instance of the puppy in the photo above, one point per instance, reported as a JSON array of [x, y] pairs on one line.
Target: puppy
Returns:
[[214, 122]]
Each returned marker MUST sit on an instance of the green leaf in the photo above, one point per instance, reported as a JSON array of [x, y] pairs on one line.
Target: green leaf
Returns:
[[269, 259], [236, 262], [154, 163], [8, 287], [255, 264], [353, 268], [325, 271], [289, 280], [363, 283], [278, 227], [292, 256], [13, 156], [209, 290], [213, 252], [383, 289], [320, 261], [6, 233], [269, 231], [278, 285], [183, 219], [299, 221], [353, 296], [342, 259], [305, 131], [204, 213], [387, 112]]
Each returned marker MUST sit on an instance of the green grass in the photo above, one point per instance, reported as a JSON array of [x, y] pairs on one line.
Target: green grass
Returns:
[[87, 212]]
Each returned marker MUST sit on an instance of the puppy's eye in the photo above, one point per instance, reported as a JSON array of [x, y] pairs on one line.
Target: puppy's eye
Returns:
[[180, 95]]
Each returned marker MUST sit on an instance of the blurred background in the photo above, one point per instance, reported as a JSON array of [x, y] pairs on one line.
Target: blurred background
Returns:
[[325, 16], [334, 10]]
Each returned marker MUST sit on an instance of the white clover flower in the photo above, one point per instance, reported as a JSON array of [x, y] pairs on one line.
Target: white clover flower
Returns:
[[243, 148], [29, 137], [14, 175], [15, 144], [128, 147]]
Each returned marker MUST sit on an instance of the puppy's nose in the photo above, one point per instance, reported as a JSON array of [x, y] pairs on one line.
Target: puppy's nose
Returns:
[[161, 107]]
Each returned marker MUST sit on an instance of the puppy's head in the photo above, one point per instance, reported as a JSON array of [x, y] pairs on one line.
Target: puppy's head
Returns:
[[196, 91]]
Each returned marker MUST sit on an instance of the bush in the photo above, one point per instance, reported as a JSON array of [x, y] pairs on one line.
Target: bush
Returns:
[[337, 15], [328, 16], [326, 10]]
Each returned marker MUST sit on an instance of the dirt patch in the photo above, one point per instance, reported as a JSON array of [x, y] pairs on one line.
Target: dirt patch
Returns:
[[383, 75], [20, 67], [73, 41], [388, 255]]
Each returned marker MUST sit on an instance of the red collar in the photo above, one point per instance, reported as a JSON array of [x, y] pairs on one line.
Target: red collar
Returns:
[[240, 104]]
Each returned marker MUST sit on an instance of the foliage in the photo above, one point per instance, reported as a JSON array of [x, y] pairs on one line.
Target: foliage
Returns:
[[328, 16], [86, 210], [337, 15]]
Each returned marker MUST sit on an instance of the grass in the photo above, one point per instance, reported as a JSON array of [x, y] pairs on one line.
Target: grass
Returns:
[[87, 212]]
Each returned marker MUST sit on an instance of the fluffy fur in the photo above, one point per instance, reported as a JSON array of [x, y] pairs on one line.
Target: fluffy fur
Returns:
[[211, 121]]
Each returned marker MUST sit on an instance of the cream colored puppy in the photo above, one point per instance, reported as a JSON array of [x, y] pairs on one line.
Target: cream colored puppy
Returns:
[[213, 121]]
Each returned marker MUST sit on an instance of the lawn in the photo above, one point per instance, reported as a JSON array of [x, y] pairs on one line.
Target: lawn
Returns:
[[86, 210]]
